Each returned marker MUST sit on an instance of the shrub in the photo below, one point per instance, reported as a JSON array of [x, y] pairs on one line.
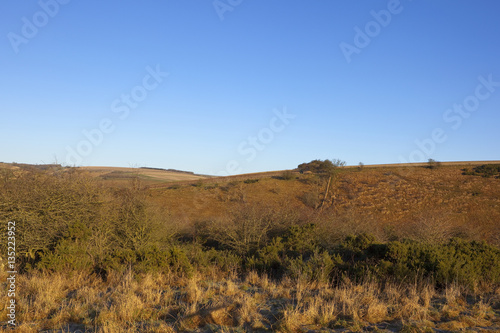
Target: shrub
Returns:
[[246, 232], [433, 164], [120, 260], [199, 183], [178, 261], [338, 163], [287, 175], [251, 181], [206, 259], [358, 242], [321, 167], [311, 199], [485, 170], [152, 259], [301, 240], [48, 206], [297, 255], [458, 260], [68, 255], [316, 267]]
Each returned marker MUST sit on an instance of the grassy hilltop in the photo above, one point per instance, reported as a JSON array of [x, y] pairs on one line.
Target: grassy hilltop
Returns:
[[389, 248]]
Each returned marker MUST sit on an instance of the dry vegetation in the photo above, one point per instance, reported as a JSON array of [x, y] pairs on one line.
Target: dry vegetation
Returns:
[[386, 249], [213, 302], [390, 202]]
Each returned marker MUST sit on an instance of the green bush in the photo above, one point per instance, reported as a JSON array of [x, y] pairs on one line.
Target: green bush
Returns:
[[67, 256], [317, 267], [297, 255], [301, 240], [458, 260], [465, 262], [358, 242], [204, 259], [178, 261]]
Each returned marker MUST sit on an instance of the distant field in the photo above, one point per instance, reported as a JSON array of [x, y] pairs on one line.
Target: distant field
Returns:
[[119, 176], [148, 176]]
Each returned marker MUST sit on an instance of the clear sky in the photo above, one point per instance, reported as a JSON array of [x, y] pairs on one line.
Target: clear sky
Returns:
[[236, 86]]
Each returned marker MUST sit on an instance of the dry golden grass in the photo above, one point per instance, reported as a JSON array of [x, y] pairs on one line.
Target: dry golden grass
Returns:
[[164, 303]]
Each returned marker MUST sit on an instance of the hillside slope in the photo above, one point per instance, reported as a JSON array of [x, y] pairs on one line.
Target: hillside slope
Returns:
[[381, 200]]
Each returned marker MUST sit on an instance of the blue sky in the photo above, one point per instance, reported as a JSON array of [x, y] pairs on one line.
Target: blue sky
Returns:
[[252, 85]]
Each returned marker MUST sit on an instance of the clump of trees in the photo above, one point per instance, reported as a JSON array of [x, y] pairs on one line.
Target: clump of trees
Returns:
[[66, 220], [321, 166]]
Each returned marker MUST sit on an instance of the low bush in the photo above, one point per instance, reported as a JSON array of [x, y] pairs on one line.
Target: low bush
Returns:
[[464, 262], [67, 256], [297, 255], [311, 199], [199, 183], [433, 164], [485, 170], [287, 175]]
